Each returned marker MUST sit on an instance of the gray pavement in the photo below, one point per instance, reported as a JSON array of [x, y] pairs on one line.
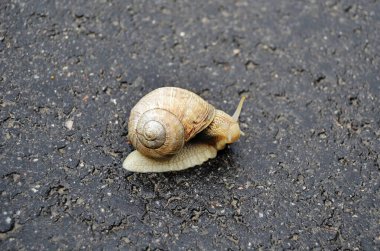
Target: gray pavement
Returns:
[[305, 175]]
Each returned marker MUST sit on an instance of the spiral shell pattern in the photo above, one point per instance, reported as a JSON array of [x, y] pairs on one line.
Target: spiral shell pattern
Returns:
[[165, 119]]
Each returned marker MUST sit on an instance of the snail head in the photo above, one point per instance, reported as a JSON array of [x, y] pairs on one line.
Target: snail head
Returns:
[[224, 129]]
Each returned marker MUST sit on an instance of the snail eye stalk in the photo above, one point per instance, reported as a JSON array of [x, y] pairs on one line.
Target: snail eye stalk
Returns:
[[238, 109]]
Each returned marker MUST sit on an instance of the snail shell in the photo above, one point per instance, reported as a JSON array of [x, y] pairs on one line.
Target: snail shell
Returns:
[[165, 119], [162, 124]]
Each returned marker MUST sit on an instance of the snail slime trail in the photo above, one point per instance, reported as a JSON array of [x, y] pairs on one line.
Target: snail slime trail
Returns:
[[164, 121]]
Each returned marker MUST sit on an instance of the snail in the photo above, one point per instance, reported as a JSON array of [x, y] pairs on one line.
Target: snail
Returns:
[[174, 129]]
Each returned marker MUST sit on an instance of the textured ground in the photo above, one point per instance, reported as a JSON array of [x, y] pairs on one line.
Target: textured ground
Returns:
[[306, 175]]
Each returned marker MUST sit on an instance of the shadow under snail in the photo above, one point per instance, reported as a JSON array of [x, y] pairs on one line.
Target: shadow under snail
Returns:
[[174, 129]]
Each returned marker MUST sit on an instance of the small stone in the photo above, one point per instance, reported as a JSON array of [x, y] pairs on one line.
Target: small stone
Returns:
[[322, 135], [236, 52], [250, 65], [328, 203], [126, 240], [294, 237], [6, 224], [69, 124]]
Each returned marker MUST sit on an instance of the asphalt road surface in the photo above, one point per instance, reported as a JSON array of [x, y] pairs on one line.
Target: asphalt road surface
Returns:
[[304, 176]]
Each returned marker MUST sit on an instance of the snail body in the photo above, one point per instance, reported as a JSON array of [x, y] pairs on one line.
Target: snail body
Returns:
[[173, 129]]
